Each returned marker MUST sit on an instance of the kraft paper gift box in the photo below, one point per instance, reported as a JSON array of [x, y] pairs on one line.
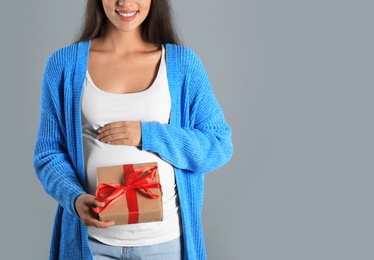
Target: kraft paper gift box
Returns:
[[132, 193]]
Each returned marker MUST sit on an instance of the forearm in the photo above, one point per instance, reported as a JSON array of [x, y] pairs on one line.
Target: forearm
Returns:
[[53, 166], [197, 150]]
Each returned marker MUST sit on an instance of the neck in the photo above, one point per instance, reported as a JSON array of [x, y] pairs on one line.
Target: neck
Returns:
[[123, 42]]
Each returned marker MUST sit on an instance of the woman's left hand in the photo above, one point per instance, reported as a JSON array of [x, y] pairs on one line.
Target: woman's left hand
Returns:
[[121, 133]]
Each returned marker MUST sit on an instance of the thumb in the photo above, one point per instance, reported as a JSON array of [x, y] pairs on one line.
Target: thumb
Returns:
[[98, 203], [91, 200]]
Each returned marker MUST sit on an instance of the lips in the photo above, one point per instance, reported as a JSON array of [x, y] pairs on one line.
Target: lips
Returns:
[[126, 14]]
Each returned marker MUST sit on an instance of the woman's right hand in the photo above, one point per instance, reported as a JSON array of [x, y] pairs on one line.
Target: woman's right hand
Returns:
[[84, 205]]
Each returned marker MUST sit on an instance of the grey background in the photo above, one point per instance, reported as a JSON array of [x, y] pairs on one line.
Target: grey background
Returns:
[[295, 79]]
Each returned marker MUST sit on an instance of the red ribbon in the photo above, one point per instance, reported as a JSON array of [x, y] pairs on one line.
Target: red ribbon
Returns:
[[135, 180]]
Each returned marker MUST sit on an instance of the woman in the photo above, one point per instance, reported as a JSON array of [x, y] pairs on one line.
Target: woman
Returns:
[[126, 92]]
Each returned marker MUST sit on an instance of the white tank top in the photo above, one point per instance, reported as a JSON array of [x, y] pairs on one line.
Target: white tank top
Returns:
[[100, 108]]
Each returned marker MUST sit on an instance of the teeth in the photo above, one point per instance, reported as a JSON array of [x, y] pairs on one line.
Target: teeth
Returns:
[[126, 14]]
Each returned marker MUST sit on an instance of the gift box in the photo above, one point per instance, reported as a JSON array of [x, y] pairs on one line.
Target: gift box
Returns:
[[132, 193]]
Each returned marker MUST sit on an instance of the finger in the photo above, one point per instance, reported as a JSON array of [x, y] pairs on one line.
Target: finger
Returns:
[[85, 200], [102, 224], [91, 219], [113, 131], [114, 138], [92, 201], [123, 141], [111, 126], [120, 142], [98, 203]]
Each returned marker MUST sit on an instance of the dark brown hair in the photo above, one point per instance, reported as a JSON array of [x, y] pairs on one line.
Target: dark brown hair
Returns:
[[157, 28]]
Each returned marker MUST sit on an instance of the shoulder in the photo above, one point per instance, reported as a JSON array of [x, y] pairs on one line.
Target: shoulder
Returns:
[[67, 55], [63, 54], [183, 56], [181, 52], [179, 49]]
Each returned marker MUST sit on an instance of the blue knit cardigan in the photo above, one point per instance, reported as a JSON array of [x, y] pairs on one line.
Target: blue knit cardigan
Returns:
[[197, 140]]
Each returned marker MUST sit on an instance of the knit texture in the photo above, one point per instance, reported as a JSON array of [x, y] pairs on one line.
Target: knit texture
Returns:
[[197, 140]]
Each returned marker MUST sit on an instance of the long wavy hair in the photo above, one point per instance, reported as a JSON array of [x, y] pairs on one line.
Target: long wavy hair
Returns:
[[157, 28]]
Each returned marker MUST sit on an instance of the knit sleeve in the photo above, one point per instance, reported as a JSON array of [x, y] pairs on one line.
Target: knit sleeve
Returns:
[[52, 164], [201, 141]]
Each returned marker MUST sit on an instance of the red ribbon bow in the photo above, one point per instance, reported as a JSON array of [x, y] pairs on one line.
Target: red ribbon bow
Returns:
[[136, 179]]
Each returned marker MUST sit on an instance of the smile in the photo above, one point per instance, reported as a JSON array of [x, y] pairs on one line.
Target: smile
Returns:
[[126, 14]]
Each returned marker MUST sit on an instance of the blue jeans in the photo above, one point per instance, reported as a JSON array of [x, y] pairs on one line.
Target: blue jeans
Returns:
[[170, 250]]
